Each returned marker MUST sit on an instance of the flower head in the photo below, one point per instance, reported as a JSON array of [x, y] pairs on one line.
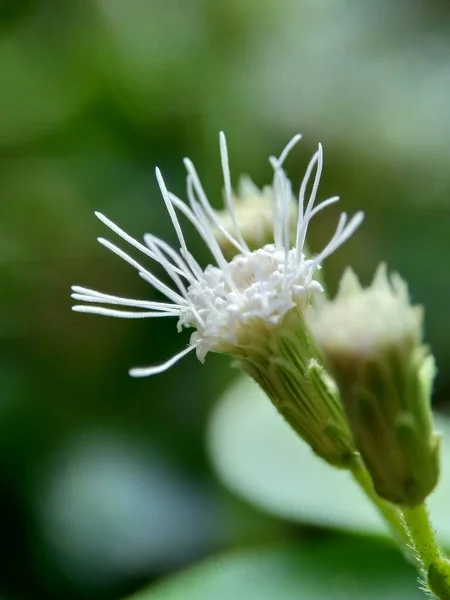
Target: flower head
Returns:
[[371, 341], [250, 303], [232, 302]]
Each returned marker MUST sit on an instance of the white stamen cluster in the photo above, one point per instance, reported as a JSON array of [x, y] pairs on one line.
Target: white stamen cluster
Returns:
[[359, 324], [221, 300]]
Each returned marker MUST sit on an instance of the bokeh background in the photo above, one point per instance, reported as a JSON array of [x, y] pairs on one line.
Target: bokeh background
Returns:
[[105, 481]]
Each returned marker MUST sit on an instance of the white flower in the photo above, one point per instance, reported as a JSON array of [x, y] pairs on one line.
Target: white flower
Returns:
[[229, 300]]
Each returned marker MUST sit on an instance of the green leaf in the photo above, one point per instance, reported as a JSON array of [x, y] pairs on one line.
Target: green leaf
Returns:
[[348, 569], [260, 458]]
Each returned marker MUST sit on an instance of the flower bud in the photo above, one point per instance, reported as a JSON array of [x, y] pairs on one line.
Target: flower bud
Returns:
[[254, 210], [371, 340]]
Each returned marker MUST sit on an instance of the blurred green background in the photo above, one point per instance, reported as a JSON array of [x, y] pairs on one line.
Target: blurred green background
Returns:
[[105, 481]]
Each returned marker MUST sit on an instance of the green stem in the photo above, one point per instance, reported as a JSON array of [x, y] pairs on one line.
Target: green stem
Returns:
[[422, 535], [390, 513], [435, 568], [413, 531]]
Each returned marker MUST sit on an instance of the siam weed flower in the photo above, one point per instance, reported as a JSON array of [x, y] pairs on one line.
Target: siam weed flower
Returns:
[[220, 301], [372, 342], [251, 305]]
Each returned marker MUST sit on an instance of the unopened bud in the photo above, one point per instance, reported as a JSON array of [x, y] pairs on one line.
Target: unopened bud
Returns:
[[371, 340], [254, 212]]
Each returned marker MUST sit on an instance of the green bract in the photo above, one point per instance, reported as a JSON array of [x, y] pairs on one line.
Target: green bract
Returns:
[[287, 365]]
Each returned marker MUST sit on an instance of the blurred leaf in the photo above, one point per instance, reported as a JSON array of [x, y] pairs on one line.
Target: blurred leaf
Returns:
[[339, 570], [108, 508], [260, 458]]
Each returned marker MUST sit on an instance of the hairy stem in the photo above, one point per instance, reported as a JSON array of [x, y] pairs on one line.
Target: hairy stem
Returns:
[[434, 567], [390, 513]]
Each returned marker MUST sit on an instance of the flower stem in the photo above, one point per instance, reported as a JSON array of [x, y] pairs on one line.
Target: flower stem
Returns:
[[422, 535], [390, 513], [434, 567], [413, 531]]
